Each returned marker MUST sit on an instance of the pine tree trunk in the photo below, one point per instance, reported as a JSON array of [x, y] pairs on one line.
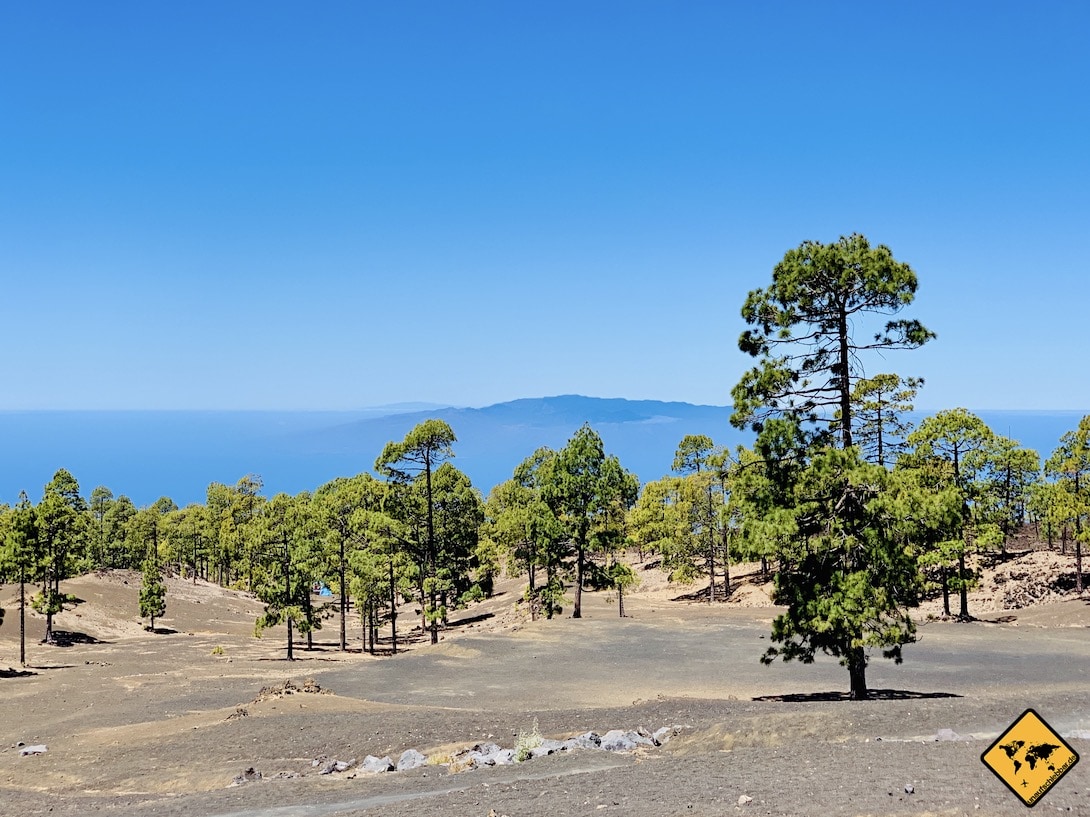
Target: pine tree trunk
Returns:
[[577, 612], [393, 610], [371, 624], [532, 596], [857, 671], [549, 585], [49, 608], [22, 617], [945, 591], [711, 573], [964, 589], [365, 630], [344, 599], [1078, 566], [310, 620], [726, 564], [423, 604]]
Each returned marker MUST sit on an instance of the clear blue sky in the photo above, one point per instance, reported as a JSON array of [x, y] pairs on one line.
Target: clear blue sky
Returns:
[[335, 205]]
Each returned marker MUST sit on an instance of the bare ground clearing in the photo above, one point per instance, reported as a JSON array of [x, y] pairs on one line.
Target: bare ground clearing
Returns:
[[140, 723]]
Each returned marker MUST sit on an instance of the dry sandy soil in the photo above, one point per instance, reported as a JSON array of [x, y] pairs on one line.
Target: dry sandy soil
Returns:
[[152, 724]]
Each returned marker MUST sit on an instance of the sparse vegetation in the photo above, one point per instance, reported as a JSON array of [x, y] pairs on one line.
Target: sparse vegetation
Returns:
[[853, 515], [526, 742]]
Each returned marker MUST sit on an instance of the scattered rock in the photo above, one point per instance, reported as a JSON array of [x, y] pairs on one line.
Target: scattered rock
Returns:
[[249, 776], [947, 734], [376, 764], [548, 747], [36, 749], [284, 776], [240, 712], [640, 739], [664, 734], [465, 761], [331, 766], [645, 733], [616, 740], [309, 687], [588, 740], [488, 753], [743, 799], [410, 759], [909, 788]]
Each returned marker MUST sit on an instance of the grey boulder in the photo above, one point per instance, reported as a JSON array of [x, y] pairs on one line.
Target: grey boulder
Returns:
[[616, 740], [410, 759], [588, 740], [376, 764]]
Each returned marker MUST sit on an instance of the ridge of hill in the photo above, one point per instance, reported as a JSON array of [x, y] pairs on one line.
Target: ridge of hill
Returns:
[[492, 440]]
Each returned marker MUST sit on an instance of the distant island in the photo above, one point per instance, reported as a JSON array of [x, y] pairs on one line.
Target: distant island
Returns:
[[146, 454]]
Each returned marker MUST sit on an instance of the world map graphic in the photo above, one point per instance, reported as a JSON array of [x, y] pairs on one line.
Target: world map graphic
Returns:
[[1033, 754]]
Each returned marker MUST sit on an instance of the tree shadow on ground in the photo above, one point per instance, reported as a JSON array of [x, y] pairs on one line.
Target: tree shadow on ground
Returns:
[[875, 695], [738, 580], [461, 622], [701, 595], [16, 673], [159, 631], [66, 638]]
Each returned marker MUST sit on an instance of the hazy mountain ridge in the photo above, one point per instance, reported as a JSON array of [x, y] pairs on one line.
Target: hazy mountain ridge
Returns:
[[147, 454], [494, 439]]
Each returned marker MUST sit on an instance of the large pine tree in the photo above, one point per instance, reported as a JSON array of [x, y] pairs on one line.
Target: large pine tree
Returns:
[[846, 575]]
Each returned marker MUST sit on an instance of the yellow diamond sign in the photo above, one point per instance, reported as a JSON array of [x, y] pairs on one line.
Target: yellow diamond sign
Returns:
[[1030, 757]]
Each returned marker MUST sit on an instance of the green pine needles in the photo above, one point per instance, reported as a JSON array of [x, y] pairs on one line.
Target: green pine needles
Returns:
[[836, 523], [153, 593]]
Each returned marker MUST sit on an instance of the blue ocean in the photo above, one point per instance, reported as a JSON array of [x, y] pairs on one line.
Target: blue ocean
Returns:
[[148, 454]]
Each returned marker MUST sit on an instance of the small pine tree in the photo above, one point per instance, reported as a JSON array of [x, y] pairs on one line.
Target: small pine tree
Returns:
[[621, 577], [153, 593]]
